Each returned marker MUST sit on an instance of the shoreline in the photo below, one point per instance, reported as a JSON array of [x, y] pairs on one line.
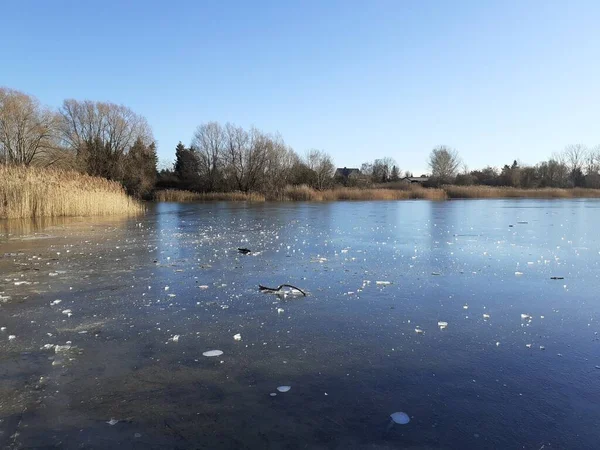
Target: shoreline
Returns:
[[450, 192]]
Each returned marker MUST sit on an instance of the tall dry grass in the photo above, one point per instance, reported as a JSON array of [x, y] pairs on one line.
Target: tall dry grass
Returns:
[[403, 191], [509, 192], [176, 195], [306, 193], [30, 192]]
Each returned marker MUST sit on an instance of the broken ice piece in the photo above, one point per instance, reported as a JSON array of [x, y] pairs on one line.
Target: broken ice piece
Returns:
[[442, 325], [400, 418], [112, 422], [237, 337], [284, 388], [211, 353], [383, 283]]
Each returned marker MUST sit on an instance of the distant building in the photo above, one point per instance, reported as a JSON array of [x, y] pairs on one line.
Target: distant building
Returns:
[[416, 180], [345, 173]]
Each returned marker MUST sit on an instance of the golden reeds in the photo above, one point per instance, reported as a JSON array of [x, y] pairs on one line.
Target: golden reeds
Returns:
[[28, 192], [305, 193], [176, 195], [509, 192]]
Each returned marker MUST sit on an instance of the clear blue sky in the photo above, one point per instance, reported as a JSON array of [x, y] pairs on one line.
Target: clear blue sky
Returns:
[[359, 79]]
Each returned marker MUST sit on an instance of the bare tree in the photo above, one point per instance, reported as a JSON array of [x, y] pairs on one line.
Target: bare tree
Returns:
[[280, 160], [382, 169], [322, 166], [444, 163], [209, 144], [593, 161], [101, 134], [574, 156], [27, 130], [245, 155]]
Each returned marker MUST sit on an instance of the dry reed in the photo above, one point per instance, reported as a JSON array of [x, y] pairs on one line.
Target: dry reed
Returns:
[[175, 195], [305, 193], [29, 192], [509, 192]]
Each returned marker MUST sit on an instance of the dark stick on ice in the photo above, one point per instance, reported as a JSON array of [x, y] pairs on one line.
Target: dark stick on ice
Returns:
[[277, 289], [244, 251], [557, 278]]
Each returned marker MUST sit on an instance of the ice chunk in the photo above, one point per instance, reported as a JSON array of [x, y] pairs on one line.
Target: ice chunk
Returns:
[[284, 388], [442, 325], [112, 422], [61, 348], [237, 337], [210, 353], [400, 418], [12, 337]]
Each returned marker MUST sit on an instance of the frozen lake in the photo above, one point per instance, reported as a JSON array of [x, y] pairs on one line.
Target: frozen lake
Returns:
[[446, 311]]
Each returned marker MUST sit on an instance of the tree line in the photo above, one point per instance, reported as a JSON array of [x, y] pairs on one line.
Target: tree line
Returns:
[[98, 138], [112, 141], [576, 166], [222, 158]]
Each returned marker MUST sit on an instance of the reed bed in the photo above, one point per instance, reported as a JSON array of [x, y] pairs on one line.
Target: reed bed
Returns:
[[176, 195], [29, 192], [305, 193], [509, 192]]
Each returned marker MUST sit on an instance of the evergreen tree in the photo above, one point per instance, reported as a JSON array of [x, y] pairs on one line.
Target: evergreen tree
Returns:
[[139, 176], [186, 167]]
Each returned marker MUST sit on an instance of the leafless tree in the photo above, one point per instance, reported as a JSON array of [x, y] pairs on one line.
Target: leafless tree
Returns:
[[382, 169], [592, 161], [101, 134], [27, 130], [322, 166], [209, 144], [245, 155], [444, 163], [279, 161], [574, 156]]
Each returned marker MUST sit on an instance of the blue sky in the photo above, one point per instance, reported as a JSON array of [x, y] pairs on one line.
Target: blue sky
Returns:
[[359, 79]]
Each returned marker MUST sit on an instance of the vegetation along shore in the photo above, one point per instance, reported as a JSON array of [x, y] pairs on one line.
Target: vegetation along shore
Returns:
[[99, 158]]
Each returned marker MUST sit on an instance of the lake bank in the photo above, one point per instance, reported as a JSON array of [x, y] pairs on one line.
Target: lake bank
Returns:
[[29, 192], [305, 193]]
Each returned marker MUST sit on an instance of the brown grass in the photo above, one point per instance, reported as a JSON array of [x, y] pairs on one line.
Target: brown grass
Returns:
[[29, 192], [509, 192], [305, 193], [402, 191], [175, 195]]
